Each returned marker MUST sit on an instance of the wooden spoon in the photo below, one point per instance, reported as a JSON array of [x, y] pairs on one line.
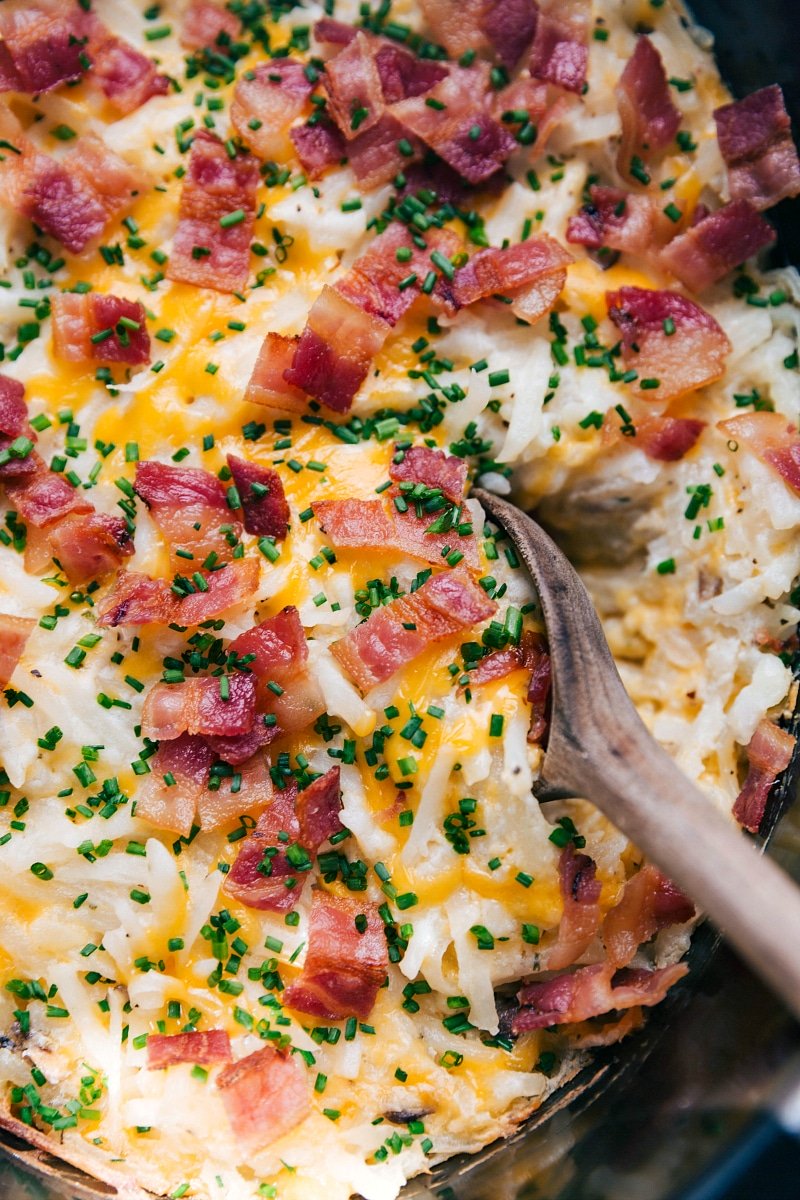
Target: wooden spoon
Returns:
[[598, 748]]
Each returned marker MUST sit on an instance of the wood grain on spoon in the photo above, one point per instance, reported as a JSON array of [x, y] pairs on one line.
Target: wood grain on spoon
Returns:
[[599, 748]]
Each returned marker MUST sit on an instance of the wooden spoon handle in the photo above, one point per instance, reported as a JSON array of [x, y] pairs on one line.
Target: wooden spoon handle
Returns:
[[747, 895]]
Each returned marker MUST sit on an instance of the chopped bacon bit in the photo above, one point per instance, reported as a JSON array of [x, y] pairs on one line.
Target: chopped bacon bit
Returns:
[[773, 439], [539, 688], [127, 77], [649, 902], [318, 147], [264, 505], [246, 790], [591, 992], [74, 199], [560, 52], [403, 75], [14, 424], [267, 384], [395, 635], [204, 1048], [189, 507], [755, 139], [667, 439], [39, 50], [199, 706], [14, 634], [281, 658], [503, 662], [44, 496], [188, 761], [769, 752], [649, 118], [88, 545], [270, 97], [206, 25], [433, 468], [510, 26], [336, 349], [531, 273], [94, 328], [139, 600], [217, 187], [715, 245], [667, 338], [614, 218], [263, 877], [580, 921], [373, 281], [335, 33], [355, 95], [238, 749], [265, 1095], [375, 155], [462, 131], [357, 524], [345, 967], [718, 242]]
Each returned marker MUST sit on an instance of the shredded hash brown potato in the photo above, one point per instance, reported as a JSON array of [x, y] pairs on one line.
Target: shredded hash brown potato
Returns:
[[279, 914]]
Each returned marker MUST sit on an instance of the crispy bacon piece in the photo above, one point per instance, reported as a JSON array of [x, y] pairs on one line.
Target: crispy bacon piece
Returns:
[[318, 147], [355, 94], [189, 506], [336, 349], [245, 789], [531, 654], [772, 439], [434, 468], [504, 27], [199, 706], [44, 496], [127, 77], [366, 524], [14, 424], [395, 635], [345, 965], [755, 139], [216, 187], [649, 902], [375, 155], [668, 338], [276, 95], [649, 118], [403, 75], [267, 384], [94, 328], [716, 244], [87, 545], [667, 439], [580, 921], [560, 51], [14, 634], [72, 200], [532, 274], [349, 323], [263, 876], [264, 505], [769, 752], [373, 281], [39, 49], [265, 1095], [614, 218], [204, 1048], [463, 131], [281, 658], [591, 992], [206, 24], [241, 747], [139, 600], [187, 760]]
